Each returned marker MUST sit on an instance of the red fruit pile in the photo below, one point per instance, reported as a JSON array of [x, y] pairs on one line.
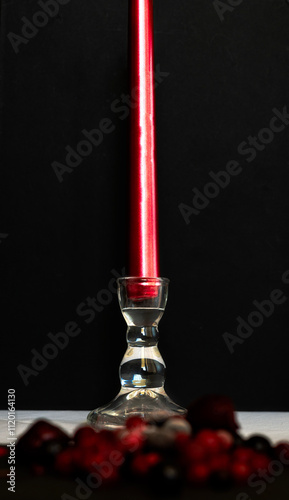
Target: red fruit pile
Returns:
[[165, 455]]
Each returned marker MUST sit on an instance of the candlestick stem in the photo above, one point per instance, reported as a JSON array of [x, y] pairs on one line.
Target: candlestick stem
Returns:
[[142, 370]]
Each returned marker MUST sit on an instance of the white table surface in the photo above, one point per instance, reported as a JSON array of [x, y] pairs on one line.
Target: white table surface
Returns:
[[273, 425]]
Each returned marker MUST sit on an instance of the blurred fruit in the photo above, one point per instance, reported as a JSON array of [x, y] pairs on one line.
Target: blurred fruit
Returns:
[[260, 461], [198, 473], [212, 412], [3, 451], [32, 446], [259, 443], [243, 455], [219, 462], [281, 452], [142, 463], [178, 424], [226, 439], [166, 479], [195, 452], [209, 440], [240, 471], [67, 461], [135, 423], [86, 437]]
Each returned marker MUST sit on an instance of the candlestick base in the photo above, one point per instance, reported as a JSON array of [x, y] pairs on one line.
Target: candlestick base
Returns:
[[142, 370], [151, 405]]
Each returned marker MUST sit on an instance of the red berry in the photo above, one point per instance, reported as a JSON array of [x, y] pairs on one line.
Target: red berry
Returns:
[[67, 460], [31, 446], [3, 451], [212, 412], [135, 422], [198, 473], [142, 463], [182, 440], [39, 433], [243, 455], [219, 462], [195, 452], [240, 471], [260, 461], [91, 460], [130, 442], [209, 440], [86, 437], [226, 439], [282, 452]]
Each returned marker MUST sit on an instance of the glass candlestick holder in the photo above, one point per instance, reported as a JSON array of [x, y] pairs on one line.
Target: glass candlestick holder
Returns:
[[142, 370]]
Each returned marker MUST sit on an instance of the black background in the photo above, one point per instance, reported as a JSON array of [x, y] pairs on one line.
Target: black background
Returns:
[[225, 77]]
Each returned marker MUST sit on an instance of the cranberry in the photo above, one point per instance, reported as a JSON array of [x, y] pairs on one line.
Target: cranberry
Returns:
[[281, 451], [182, 440], [244, 455], [130, 442], [212, 412], [91, 460], [226, 439], [3, 451], [219, 462], [67, 461], [210, 440], [198, 473], [260, 461], [240, 471], [142, 463], [195, 452], [135, 422], [259, 443], [31, 446], [86, 437]]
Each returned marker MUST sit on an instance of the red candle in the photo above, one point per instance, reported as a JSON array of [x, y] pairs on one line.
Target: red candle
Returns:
[[144, 251]]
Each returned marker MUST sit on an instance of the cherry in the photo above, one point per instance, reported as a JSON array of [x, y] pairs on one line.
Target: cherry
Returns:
[[212, 412]]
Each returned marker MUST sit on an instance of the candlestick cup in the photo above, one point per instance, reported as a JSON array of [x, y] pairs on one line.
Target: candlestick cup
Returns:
[[142, 370]]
